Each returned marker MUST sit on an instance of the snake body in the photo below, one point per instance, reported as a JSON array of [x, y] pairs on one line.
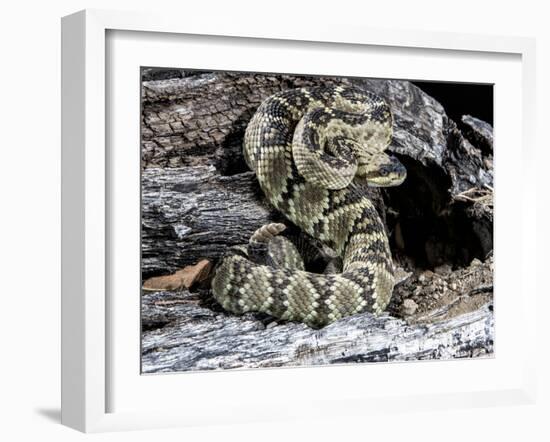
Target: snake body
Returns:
[[313, 151]]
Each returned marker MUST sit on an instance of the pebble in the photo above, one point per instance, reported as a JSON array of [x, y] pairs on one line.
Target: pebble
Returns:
[[409, 307], [444, 269], [475, 262]]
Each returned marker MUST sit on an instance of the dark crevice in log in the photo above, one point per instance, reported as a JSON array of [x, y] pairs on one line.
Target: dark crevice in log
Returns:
[[428, 226], [153, 325], [229, 156]]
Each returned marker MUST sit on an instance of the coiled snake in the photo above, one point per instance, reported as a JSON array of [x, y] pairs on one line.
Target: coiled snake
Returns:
[[313, 151]]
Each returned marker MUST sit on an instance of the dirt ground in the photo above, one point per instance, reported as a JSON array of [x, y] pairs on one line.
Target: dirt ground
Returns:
[[430, 296]]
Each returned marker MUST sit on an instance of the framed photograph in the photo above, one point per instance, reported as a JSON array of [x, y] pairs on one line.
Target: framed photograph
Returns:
[[250, 214]]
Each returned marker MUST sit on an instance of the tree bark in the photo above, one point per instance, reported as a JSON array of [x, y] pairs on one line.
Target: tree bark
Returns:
[[198, 338], [192, 213]]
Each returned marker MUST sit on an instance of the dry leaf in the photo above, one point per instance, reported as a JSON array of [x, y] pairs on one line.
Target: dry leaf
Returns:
[[183, 278]]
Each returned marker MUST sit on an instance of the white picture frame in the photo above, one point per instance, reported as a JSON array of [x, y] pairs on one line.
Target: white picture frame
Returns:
[[87, 316]]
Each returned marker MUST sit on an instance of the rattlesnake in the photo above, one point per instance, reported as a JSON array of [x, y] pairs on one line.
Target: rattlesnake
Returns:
[[314, 151]]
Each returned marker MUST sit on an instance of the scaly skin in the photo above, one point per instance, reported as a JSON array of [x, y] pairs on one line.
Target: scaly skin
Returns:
[[313, 150]]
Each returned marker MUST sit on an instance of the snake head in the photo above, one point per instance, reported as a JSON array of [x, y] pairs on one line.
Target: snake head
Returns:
[[389, 172]]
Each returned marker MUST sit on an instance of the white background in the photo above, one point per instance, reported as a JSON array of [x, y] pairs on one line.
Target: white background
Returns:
[[29, 122]]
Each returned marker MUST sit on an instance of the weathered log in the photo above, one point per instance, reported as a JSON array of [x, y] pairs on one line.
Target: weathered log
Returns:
[[433, 315], [479, 133], [192, 213], [198, 338], [200, 119]]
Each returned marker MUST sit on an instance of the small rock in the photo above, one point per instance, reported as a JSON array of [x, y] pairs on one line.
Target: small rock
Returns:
[[444, 269], [185, 277], [475, 262], [453, 286], [401, 275], [426, 274], [409, 307]]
